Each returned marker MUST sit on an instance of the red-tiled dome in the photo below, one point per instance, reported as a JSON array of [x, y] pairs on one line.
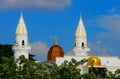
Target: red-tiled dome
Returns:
[[55, 51]]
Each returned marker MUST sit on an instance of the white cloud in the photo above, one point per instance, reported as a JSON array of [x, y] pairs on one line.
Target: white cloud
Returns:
[[108, 36], [31, 4], [98, 49], [110, 22], [39, 49]]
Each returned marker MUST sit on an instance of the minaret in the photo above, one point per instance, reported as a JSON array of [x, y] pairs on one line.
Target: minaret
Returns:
[[81, 47], [21, 46]]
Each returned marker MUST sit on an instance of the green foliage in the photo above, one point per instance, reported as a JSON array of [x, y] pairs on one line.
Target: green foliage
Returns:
[[5, 51], [68, 70], [91, 75], [31, 57], [24, 69], [115, 75], [29, 69], [7, 68]]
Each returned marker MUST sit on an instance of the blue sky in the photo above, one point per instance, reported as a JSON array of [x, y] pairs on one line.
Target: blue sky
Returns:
[[46, 19]]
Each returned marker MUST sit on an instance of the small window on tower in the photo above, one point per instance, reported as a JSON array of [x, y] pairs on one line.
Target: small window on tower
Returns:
[[83, 45], [23, 43]]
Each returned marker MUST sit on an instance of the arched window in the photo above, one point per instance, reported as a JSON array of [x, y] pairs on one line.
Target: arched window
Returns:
[[23, 42], [83, 45]]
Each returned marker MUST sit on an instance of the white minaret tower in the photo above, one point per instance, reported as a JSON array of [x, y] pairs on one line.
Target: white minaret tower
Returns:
[[81, 47], [21, 46]]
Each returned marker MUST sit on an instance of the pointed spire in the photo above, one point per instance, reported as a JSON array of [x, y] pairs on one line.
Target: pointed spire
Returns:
[[80, 32], [21, 28], [55, 41], [21, 20], [81, 21]]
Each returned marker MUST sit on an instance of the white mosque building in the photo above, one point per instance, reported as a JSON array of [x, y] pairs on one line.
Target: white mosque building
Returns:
[[80, 50]]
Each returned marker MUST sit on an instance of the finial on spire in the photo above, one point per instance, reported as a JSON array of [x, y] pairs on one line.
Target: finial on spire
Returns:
[[55, 41], [81, 21], [20, 12], [21, 17]]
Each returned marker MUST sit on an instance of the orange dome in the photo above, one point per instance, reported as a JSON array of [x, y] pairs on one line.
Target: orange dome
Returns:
[[94, 60], [55, 51]]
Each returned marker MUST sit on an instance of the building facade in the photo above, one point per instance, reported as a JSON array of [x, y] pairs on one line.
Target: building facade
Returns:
[[81, 49]]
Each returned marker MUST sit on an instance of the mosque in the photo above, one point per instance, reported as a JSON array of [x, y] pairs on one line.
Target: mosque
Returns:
[[56, 53]]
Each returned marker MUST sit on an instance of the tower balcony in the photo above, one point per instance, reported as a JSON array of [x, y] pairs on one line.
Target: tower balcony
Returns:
[[81, 51]]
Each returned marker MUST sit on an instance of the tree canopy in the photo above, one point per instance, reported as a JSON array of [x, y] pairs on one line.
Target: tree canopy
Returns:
[[29, 69], [24, 68]]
